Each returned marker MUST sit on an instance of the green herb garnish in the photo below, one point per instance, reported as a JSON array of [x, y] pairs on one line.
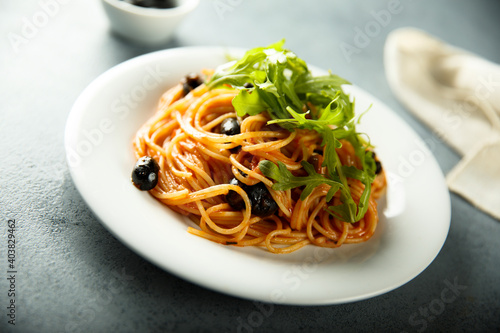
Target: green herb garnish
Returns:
[[283, 86]]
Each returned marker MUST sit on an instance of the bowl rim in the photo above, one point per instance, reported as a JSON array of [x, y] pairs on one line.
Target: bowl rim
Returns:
[[184, 7]]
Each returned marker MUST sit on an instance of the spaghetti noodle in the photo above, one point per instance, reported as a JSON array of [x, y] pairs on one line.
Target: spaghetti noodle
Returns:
[[197, 164]]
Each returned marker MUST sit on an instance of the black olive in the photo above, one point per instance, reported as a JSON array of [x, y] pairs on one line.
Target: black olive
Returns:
[[190, 82], [248, 85], [145, 173], [230, 126], [316, 160], [233, 198], [235, 150], [261, 200], [153, 3], [378, 167], [263, 203]]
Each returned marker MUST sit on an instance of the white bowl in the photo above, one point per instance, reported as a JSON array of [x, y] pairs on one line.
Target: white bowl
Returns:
[[146, 25]]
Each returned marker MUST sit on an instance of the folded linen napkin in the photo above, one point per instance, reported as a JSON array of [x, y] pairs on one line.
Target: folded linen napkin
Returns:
[[457, 94]]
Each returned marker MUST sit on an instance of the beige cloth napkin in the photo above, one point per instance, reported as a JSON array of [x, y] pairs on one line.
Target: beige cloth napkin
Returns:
[[457, 94]]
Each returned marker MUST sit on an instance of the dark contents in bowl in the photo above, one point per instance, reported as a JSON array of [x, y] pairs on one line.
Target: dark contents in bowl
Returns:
[[153, 3]]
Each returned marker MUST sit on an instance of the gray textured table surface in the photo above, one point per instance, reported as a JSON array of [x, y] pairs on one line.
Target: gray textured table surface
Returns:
[[74, 276]]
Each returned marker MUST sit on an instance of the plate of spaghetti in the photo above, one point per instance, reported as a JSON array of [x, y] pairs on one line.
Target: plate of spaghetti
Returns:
[[257, 175]]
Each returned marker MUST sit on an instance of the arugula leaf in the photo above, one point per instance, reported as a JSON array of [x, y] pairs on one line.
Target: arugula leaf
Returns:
[[285, 180], [316, 84], [321, 124], [252, 104], [283, 86], [273, 71], [242, 71]]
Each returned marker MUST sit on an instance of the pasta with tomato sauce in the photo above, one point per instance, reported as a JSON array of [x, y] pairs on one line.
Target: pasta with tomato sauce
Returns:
[[277, 178]]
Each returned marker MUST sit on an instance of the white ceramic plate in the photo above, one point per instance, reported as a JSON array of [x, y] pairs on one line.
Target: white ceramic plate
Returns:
[[414, 217]]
